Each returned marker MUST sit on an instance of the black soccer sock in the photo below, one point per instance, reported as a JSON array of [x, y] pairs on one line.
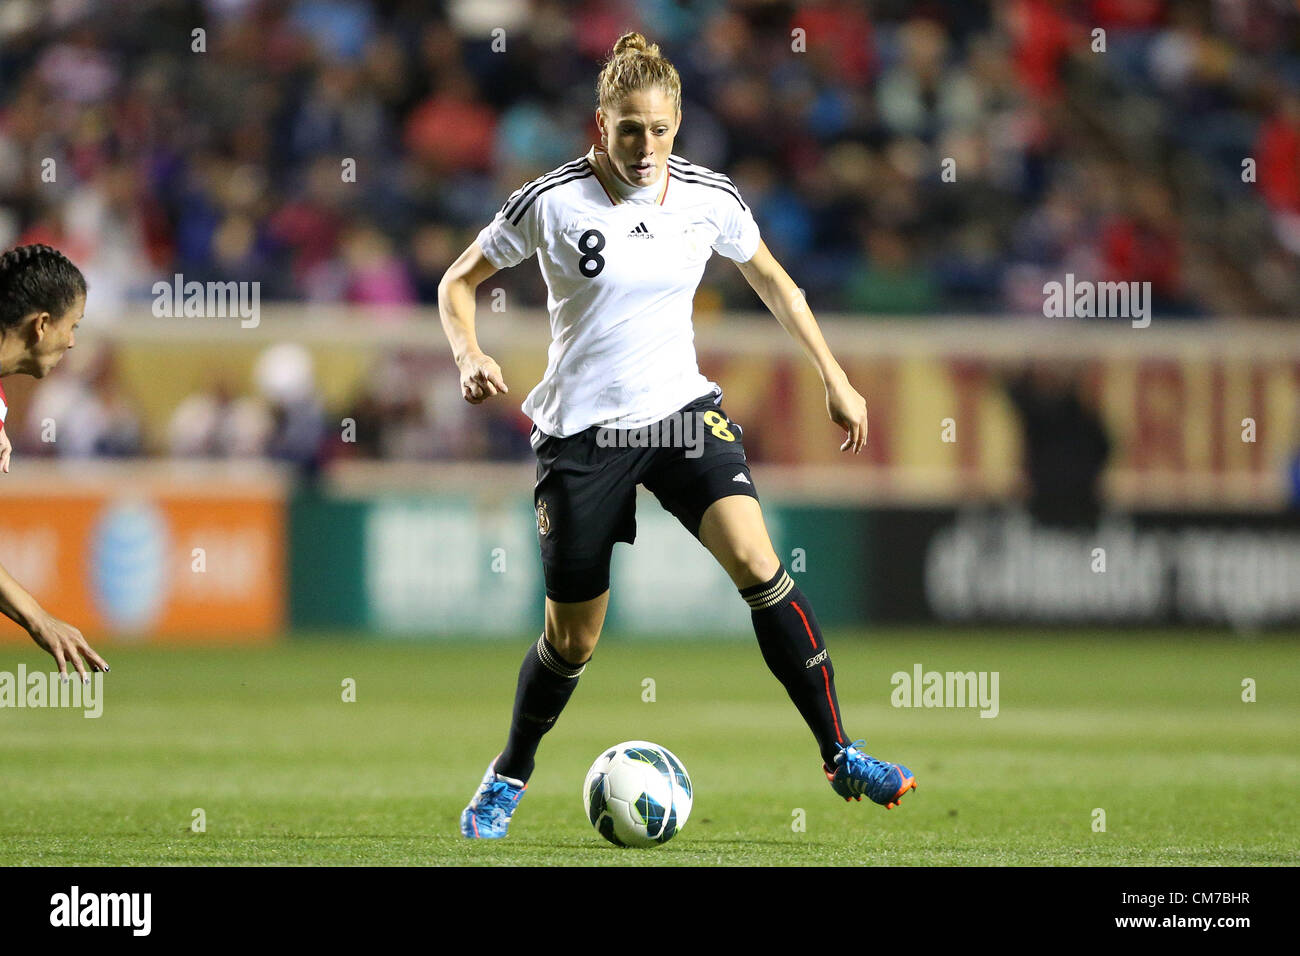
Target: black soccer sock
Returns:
[[792, 646], [546, 681]]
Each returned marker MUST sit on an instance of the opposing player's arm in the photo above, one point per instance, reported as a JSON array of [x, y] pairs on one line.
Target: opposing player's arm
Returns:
[[774, 286], [480, 376], [63, 641]]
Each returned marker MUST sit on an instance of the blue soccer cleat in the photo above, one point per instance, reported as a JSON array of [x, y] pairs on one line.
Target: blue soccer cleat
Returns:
[[856, 774], [488, 815]]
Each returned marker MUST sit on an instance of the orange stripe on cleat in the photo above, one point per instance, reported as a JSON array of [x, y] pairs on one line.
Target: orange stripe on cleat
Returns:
[[910, 784]]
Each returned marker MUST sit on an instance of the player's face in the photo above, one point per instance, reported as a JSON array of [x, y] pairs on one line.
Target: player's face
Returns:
[[638, 134], [54, 336]]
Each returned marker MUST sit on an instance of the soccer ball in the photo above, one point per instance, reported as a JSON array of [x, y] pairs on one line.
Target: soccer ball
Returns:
[[637, 794]]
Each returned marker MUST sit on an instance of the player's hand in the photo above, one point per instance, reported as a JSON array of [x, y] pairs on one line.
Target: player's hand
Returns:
[[65, 643], [847, 409], [5, 449], [480, 378]]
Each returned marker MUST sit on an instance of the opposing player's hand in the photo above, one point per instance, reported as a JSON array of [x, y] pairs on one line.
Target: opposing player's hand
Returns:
[[65, 643], [480, 378], [847, 409], [5, 450]]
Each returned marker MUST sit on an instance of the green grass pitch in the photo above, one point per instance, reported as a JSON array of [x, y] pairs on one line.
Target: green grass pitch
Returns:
[[1151, 729]]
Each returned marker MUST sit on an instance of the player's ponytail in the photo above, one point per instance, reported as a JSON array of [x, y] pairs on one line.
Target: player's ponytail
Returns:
[[636, 64], [37, 278]]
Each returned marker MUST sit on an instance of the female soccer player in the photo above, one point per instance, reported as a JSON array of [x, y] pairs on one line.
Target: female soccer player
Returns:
[[42, 299], [622, 235]]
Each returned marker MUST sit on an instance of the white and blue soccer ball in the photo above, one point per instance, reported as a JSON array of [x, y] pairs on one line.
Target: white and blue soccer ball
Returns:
[[637, 794]]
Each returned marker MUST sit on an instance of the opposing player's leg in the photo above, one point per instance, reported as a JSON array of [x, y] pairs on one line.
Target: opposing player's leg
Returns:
[[585, 500]]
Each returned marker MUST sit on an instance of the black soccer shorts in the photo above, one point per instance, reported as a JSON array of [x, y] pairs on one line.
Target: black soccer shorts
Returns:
[[585, 495]]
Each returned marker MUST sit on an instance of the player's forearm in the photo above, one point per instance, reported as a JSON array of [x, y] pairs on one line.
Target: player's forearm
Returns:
[[787, 303], [16, 604], [456, 308]]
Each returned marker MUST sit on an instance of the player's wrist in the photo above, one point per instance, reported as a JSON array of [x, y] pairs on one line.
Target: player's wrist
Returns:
[[31, 619], [833, 376], [469, 356], [16, 604]]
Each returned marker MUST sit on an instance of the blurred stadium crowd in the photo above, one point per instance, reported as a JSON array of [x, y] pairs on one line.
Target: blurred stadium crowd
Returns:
[[225, 164], [408, 407]]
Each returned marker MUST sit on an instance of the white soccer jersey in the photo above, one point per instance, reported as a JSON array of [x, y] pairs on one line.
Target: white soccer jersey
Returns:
[[621, 265]]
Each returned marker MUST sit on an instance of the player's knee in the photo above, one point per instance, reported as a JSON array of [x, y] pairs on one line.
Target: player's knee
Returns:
[[574, 644], [753, 565], [573, 629]]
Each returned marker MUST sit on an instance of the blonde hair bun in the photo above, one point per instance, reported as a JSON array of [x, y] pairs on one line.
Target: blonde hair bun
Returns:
[[636, 64], [636, 43]]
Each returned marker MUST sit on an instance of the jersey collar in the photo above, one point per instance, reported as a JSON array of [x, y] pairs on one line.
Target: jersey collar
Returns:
[[619, 191]]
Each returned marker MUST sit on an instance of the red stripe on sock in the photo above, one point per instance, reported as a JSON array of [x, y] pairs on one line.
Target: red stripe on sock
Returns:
[[805, 624], [839, 737]]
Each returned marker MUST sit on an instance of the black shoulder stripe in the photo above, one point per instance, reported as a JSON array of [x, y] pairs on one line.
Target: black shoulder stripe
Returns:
[[558, 171], [729, 190], [519, 194], [684, 167], [687, 166], [551, 185]]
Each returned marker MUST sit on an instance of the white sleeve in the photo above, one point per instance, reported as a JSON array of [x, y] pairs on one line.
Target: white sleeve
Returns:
[[514, 233], [737, 231]]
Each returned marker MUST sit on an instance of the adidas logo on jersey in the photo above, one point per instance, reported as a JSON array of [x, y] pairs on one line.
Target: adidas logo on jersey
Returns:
[[741, 477], [640, 232]]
